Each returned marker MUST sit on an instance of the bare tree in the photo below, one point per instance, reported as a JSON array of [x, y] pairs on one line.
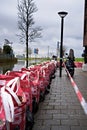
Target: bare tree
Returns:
[[26, 9]]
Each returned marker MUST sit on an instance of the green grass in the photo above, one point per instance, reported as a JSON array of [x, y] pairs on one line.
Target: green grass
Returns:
[[48, 59], [79, 59]]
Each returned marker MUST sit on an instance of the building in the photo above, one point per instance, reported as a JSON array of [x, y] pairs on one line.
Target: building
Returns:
[[85, 33], [20, 56]]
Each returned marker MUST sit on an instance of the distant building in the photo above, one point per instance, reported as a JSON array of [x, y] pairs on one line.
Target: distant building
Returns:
[[20, 56]]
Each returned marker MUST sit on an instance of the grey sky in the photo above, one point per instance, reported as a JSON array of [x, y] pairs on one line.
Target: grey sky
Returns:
[[48, 19]]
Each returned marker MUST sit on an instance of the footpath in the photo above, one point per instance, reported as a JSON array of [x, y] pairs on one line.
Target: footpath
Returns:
[[61, 109]]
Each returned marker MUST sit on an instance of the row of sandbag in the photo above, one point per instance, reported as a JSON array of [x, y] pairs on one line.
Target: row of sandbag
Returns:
[[21, 92]]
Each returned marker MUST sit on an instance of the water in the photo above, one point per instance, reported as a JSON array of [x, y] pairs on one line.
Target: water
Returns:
[[17, 66]]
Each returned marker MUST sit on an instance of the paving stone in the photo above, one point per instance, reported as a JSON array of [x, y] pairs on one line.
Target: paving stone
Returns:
[[44, 116], [54, 127], [60, 128], [76, 128], [51, 122], [70, 122], [47, 107], [41, 128], [61, 107], [84, 128], [60, 116], [82, 122], [52, 111]]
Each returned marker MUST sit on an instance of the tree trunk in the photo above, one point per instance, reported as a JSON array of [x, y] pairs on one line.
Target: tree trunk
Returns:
[[26, 53], [27, 41], [27, 48]]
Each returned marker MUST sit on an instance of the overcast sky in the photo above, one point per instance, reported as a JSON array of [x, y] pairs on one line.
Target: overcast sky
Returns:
[[47, 17]]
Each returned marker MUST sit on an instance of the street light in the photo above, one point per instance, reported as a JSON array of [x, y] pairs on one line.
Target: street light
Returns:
[[62, 14]]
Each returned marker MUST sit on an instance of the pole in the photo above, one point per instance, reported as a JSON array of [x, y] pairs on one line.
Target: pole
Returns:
[[61, 47]]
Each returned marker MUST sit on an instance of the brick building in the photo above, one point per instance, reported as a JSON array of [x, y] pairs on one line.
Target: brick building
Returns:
[[85, 32]]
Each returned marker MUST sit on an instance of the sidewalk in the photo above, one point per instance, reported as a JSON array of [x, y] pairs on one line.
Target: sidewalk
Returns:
[[61, 109]]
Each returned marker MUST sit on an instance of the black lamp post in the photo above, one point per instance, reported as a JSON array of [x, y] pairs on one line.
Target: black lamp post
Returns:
[[62, 14]]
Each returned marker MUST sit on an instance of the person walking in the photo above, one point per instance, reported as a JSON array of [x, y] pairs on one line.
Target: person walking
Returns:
[[71, 55]]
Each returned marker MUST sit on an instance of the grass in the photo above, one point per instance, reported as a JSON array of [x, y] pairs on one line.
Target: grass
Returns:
[[48, 59], [79, 59]]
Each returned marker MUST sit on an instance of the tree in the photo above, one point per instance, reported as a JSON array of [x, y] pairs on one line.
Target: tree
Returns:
[[7, 49], [26, 9], [1, 50]]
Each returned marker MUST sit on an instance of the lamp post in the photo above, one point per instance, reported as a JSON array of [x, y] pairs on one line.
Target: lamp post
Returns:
[[62, 14]]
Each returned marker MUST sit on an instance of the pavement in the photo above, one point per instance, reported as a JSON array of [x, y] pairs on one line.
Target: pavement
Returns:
[[61, 109]]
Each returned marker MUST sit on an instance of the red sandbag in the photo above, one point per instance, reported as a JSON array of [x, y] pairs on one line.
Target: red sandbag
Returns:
[[14, 102]]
